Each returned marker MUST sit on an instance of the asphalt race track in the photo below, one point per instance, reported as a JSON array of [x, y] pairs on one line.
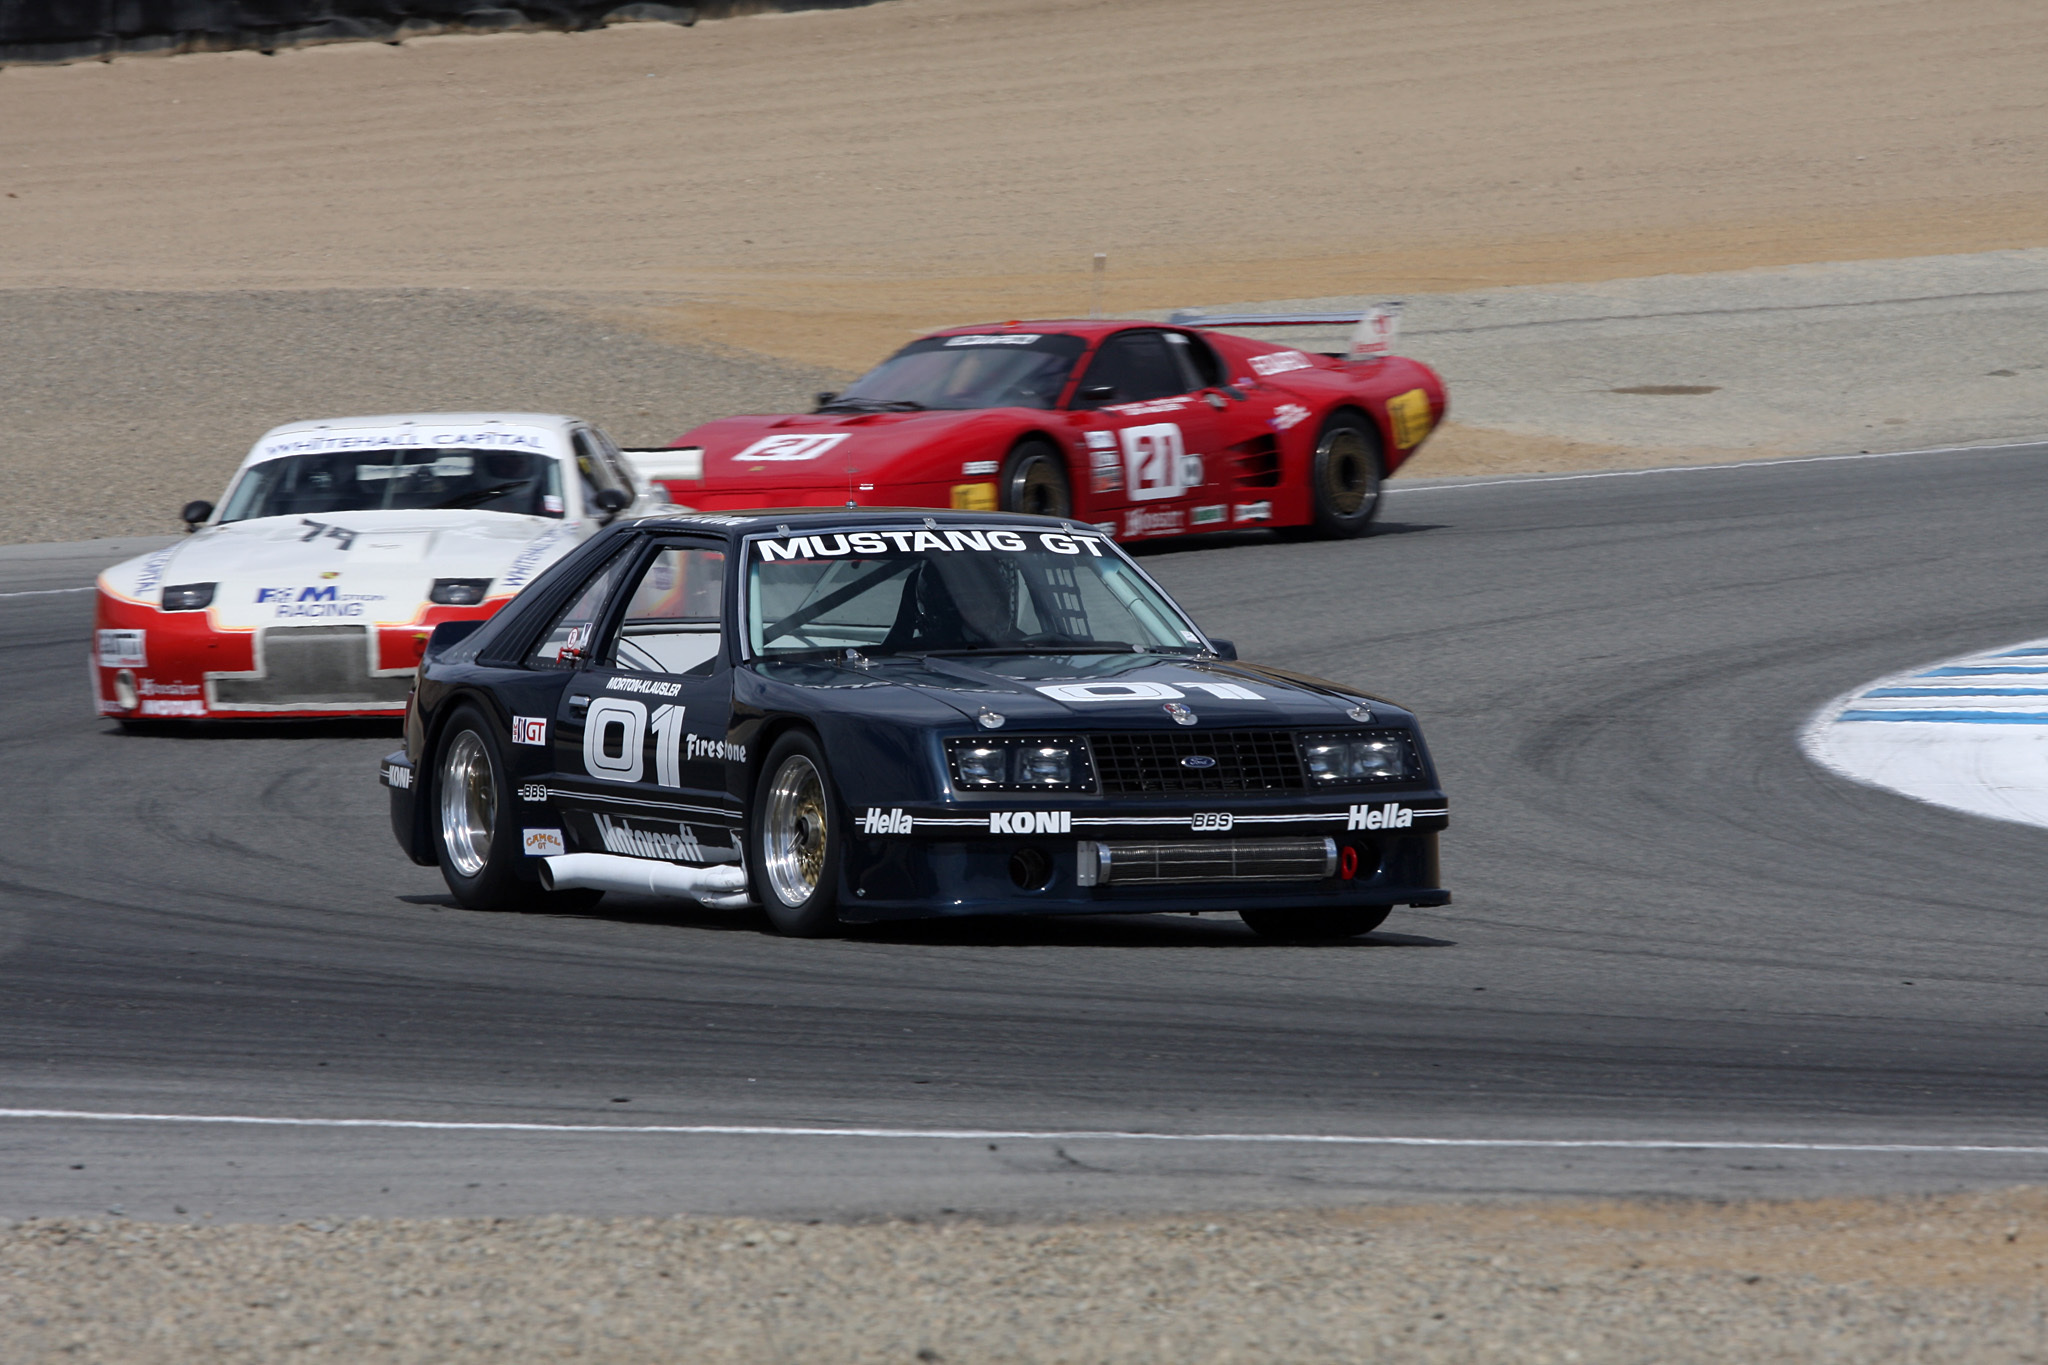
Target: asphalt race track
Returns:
[[1670, 928]]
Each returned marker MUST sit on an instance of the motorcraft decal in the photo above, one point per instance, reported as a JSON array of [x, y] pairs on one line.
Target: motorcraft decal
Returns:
[[919, 542], [670, 841]]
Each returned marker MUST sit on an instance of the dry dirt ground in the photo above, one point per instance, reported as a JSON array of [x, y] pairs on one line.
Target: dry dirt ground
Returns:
[[816, 187], [1957, 1279]]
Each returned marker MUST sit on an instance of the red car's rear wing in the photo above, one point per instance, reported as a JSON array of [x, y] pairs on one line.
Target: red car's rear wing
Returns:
[[1372, 336]]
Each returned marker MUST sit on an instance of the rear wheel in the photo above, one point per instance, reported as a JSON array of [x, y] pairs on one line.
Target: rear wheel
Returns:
[[795, 840], [1344, 477], [476, 835], [1035, 482], [1322, 925]]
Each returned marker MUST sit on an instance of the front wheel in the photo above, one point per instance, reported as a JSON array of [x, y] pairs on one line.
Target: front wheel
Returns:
[[1344, 477], [476, 835], [795, 840], [1035, 482], [1330, 924]]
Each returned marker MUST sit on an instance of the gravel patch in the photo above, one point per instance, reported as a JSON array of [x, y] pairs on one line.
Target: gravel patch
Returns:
[[1959, 1278], [117, 407]]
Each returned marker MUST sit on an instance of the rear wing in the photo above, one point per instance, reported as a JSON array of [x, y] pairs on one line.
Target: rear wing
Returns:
[[661, 464], [1372, 335]]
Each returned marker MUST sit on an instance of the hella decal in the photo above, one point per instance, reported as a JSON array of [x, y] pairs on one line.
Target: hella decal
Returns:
[[1392, 815], [879, 821]]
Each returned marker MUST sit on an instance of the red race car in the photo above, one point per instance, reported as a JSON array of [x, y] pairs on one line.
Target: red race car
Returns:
[[1144, 429]]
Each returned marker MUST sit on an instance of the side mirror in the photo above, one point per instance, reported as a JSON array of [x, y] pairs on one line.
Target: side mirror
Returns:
[[194, 513], [1095, 393], [824, 396], [612, 501], [1225, 649]]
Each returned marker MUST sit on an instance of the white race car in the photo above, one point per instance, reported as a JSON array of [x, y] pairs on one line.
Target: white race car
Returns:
[[338, 547]]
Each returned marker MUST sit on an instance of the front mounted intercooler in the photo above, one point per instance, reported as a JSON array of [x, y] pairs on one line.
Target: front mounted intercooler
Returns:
[[1138, 862]]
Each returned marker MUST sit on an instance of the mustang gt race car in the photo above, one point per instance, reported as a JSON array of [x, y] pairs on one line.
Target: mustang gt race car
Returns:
[[862, 715], [339, 545], [1137, 428]]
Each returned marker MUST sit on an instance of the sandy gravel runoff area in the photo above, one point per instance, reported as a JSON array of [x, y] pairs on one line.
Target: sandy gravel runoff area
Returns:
[[1956, 1279], [652, 225], [816, 187]]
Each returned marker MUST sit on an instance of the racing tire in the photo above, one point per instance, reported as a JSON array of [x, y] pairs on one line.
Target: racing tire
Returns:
[[1331, 924], [1345, 478], [795, 840], [1034, 482], [474, 826]]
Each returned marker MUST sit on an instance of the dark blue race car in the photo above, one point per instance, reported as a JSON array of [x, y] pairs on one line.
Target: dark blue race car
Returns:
[[845, 716]]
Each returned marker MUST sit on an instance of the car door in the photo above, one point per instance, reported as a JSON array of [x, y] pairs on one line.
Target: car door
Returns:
[[641, 746], [1151, 431]]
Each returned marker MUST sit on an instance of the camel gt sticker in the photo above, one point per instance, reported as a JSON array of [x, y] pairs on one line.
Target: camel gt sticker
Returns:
[[791, 446], [544, 843]]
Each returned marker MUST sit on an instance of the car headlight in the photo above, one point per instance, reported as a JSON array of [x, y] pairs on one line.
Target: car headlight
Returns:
[[1339, 760], [458, 592], [1045, 763], [188, 596]]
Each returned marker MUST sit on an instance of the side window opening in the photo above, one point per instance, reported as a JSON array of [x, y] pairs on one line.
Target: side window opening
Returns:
[[1198, 361], [566, 642], [1136, 366], [672, 620]]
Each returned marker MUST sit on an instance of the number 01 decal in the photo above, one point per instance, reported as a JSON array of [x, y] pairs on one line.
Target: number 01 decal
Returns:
[[616, 729]]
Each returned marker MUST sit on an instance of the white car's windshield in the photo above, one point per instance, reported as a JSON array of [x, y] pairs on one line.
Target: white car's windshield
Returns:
[[985, 370], [480, 480], [918, 590]]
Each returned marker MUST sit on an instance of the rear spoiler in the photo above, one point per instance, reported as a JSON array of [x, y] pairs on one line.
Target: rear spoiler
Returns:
[[660, 464], [1372, 336]]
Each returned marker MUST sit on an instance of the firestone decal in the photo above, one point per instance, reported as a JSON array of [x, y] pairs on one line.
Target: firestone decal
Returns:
[[718, 750]]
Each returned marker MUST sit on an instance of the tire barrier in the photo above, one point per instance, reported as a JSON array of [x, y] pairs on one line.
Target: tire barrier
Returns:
[[86, 30]]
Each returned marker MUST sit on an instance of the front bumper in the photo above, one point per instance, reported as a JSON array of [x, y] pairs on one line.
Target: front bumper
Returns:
[[905, 863]]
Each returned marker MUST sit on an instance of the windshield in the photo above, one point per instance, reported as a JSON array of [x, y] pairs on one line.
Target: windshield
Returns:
[[479, 480], [992, 370], [922, 591]]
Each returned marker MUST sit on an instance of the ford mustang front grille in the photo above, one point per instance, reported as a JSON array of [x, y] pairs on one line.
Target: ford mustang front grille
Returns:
[[1123, 862], [1150, 762]]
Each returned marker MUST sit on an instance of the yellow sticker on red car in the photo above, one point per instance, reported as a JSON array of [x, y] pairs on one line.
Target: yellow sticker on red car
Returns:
[[1409, 412], [974, 497]]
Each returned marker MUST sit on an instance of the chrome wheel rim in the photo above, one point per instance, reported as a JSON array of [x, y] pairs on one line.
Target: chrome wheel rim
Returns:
[[1351, 477], [793, 834], [469, 804], [1038, 489]]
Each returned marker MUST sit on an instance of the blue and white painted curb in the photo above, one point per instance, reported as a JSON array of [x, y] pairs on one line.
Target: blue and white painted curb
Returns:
[[1969, 733]]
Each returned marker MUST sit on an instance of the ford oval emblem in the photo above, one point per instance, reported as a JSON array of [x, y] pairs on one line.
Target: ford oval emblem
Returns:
[[1198, 761]]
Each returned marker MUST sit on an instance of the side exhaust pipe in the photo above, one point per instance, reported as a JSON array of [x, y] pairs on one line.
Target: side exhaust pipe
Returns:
[[724, 885]]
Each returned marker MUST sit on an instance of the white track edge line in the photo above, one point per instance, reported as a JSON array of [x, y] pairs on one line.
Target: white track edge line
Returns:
[[47, 592], [1025, 1134], [2002, 446]]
